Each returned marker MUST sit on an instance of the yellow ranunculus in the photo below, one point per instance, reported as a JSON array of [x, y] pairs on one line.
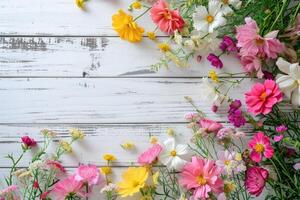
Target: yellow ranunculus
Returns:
[[126, 27], [134, 179]]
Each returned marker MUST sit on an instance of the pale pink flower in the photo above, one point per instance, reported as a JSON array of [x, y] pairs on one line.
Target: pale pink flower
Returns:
[[297, 166], [209, 126], [9, 191], [166, 19], [256, 179], [251, 43], [262, 97], [278, 138], [66, 187], [202, 177], [150, 155], [260, 146], [88, 174], [252, 64]]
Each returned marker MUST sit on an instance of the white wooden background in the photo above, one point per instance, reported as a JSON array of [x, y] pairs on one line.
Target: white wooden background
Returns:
[[61, 67]]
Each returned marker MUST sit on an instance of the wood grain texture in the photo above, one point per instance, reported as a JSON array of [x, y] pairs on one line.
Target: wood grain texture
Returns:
[[108, 100], [92, 57]]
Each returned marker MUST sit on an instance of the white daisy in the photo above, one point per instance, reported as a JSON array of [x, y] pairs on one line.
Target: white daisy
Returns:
[[206, 21], [226, 5], [173, 154], [289, 84]]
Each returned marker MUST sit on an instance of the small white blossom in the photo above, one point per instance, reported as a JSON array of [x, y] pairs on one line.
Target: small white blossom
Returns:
[[226, 5], [109, 188]]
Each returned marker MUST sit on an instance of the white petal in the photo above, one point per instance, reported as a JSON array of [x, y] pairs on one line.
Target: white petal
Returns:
[[177, 163], [235, 3], [218, 21], [295, 71], [285, 82], [283, 65], [226, 9], [272, 34], [213, 7], [200, 12], [165, 158], [182, 149], [201, 26], [296, 97], [169, 144]]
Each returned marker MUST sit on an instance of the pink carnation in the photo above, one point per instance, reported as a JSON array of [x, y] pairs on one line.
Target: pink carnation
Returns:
[[209, 126], [202, 177], [166, 19], [28, 142], [260, 146], [255, 180], [88, 174], [66, 187], [262, 97], [251, 43], [150, 155]]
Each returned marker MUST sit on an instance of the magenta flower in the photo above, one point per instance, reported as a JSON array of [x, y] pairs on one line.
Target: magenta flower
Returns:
[[260, 146], [88, 174], [237, 118], [251, 43], [215, 61], [262, 97], [281, 129], [150, 155], [202, 177], [28, 142], [256, 180], [228, 44], [67, 188], [235, 105], [209, 126]]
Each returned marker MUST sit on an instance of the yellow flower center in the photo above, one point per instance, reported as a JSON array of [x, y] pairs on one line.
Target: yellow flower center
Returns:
[[263, 96], [209, 18], [259, 148], [167, 15], [227, 162], [225, 2], [259, 41], [201, 180], [173, 153]]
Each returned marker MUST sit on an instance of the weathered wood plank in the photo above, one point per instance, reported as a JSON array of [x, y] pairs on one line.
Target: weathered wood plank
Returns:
[[92, 57], [80, 100], [60, 17], [100, 139]]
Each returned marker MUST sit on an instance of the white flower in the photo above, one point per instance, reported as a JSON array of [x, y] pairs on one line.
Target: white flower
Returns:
[[177, 38], [208, 91], [226, 5], [172, 154], [289, 84], [109, 188], [189, 44], [36, 165], [207, 21], [205, 42]]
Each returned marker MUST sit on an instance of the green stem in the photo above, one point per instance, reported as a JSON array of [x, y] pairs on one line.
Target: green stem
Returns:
[[142, 14]]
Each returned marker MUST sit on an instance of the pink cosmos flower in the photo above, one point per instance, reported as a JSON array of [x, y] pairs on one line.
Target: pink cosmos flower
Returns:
[[209, 126], [251, 43], [202, 177], [252, 64], [67, 187], [28, 142], [262, 97], [256, 179], [88, 174], [260, 146], [150, 155], [166, 19]]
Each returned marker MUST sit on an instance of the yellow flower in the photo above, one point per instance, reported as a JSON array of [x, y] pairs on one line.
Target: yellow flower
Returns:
[[179, 62], [109, 157], [170, 132], [126, 27], [153, 140], [136, 5], [106, 170], [164, 47], [151, 35], [80, 3], [134, 179], [155, 178], [77, 134], [229, 187], [212, 74], [238, 157], [66, 146], [128, 145]]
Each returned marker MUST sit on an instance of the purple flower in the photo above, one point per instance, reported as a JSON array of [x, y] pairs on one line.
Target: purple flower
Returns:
[[214, 108], [236, 104], [236, 118], [281, 129], [215, 60], [228, 44]]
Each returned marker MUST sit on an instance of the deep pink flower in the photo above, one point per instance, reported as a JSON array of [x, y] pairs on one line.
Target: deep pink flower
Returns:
[[260, 146], [209, 126], [202, 177], [56, 165], [256, 179], [235, 105], [252, 64], [251, 43], [215, 61], [237, 118], [166, 19], [228, 44], [281, 129], [150, 155], [262, 97], [268, 75], [88, 174], [66, 187], [28, 142]]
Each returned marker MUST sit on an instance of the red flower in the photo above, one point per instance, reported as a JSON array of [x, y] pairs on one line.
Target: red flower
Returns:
[[44, 195], [56, 165], [28, 142], [36, 184], [256, 180]]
